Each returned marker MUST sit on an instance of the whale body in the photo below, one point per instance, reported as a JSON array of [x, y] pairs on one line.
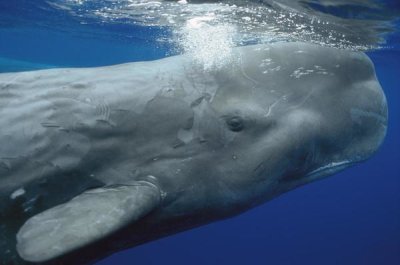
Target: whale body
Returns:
[[96, 160]]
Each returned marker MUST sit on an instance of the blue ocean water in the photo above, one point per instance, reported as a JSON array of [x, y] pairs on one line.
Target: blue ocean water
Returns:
[[352, 218]]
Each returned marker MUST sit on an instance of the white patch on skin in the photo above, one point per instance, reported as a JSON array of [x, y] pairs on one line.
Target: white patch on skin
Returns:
[[330, 165], [329, 169], [317, 69], [17, 193]]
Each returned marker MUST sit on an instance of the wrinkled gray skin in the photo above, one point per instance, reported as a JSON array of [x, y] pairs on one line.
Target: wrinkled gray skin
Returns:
[[96, 160]]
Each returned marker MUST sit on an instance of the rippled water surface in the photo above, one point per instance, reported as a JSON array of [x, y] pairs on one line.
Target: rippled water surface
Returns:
[[208, 29], [355, 24]]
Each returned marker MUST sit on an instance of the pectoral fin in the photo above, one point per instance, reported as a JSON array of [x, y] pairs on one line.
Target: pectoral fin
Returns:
[[86, 218]]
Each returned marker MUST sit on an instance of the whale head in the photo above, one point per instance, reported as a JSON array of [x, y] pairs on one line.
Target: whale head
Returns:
[[299, 112]]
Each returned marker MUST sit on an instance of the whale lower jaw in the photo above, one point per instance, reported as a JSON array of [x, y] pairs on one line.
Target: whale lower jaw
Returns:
[[330, 169]]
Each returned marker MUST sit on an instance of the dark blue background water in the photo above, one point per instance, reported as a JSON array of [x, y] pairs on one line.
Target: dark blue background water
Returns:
[[352, 218]]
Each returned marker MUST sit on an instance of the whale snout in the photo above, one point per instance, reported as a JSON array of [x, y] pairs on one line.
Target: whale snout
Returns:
[[368, 115], [353, 123]]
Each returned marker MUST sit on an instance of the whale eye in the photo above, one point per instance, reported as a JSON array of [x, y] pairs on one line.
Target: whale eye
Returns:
[[235, 123]]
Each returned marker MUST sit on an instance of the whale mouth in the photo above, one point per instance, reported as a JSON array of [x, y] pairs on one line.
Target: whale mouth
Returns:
[[330, 168]]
